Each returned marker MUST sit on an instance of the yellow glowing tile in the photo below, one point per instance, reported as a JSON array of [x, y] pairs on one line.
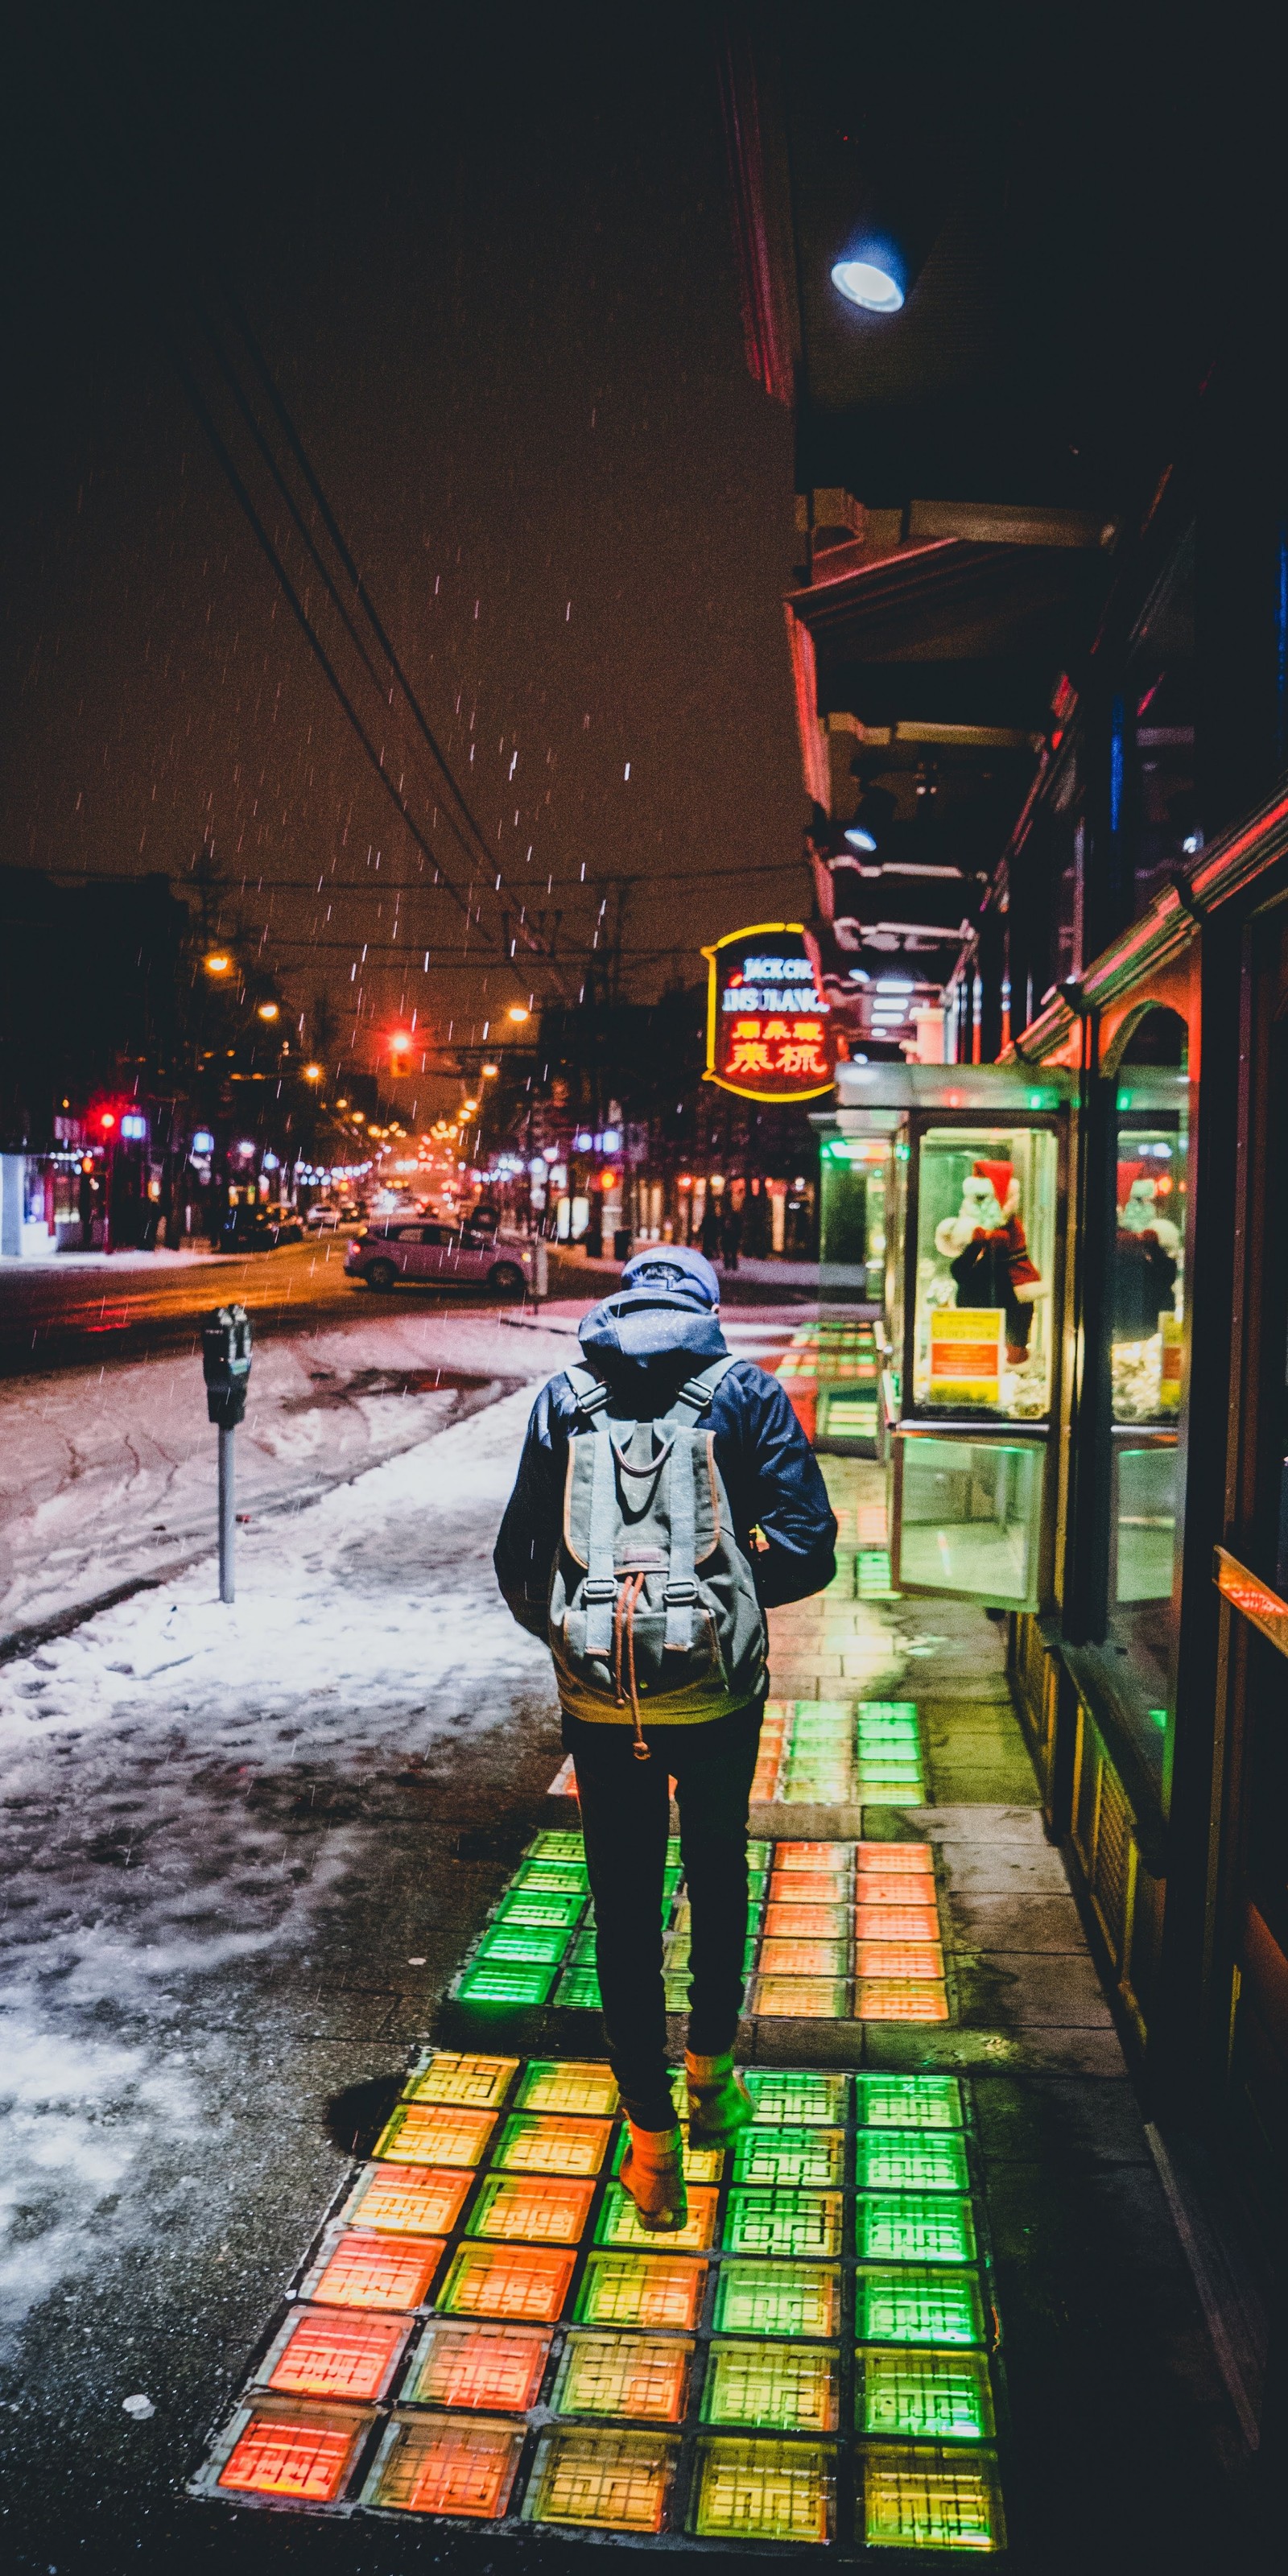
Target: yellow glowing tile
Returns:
[[534, 2142], [783, 2387], [526, 2282], [449, 2076], [642, 2376], [579, 2085], [801, 1998], [435, 2134], [917, 2497], [603, 2481], [438, 2464], [886, 1999], [407, 2200], [804, 1958], [630, 2289], [763, 2490], [532, 2209], [620, 2223]]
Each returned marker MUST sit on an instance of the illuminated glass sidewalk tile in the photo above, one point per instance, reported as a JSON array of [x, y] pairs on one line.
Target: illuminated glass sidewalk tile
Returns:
[[891, 1860], [578, 2085], [523, 1942], [302, 2455], [816, 1789], [803, 2098], [792, 2159], [887, 1712], [528, 2282], [478, 2365], [556, 1846], [930, 2499], [583, 1948], [808, 1887], [642, 2376], [896, 1922], [407, 2200], [778, 2299], [804, 1958], [442, 2464], [801, 1998], [800, 2225], [641, 2290], [505, 1981], [675, 1988], [620, 2223], [891, 2159], [552, 1878], [358, 2269], [749, 2490], [449, 2075], [933, 2396], [600, 2481], [920, 1960], [904, 1887], [536, 1910], [786, 2387], [872, 1574], [579, 1987], [335, 2352], [791, 1858], [909, 2102], [788, 1922], [914, 2227], [541, 2142], [893, 1999], [917, 2306], [434, 2134], [531, 2209]]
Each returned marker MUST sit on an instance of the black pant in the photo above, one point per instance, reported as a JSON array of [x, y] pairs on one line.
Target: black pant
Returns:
[[625, 1814]]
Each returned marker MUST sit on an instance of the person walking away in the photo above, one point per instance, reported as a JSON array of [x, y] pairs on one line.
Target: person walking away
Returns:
[[666, 1498], [709, 1230], [730, 1237]]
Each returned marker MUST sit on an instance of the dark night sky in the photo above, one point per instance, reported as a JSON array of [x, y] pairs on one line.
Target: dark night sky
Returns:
[[493, 274]]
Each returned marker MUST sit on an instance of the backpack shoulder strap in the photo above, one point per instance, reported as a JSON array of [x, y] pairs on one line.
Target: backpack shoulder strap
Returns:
[[589, 1391], [692, 1399], [696, 1392]]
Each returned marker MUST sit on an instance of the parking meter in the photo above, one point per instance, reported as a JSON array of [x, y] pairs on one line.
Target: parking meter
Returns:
[[225, 1362]]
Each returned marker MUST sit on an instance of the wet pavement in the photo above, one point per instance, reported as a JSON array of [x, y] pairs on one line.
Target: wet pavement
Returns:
[[246, 1853]]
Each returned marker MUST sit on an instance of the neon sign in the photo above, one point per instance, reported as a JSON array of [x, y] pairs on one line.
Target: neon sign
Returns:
[[768, 1028]]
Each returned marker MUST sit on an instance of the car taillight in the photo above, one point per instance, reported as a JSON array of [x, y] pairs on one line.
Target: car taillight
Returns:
[[355, 1247]]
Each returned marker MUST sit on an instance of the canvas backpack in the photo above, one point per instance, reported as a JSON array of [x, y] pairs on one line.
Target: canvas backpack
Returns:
[[653, 1614]]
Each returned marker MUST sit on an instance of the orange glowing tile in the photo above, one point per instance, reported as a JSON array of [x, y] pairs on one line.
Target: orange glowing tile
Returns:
[[801, 1998], [327, 2352], [832, 1857], [807, 1887], [804, 1958], [601, 2480], [892, 1860], [534, 2143], [292, 2452], [888, 1999], [528, 2282], [631, 2289], [915, 1959], [873, 1891], [896, 1922], [435, 2464], [532, 2209], [785, 1921], [407, 2200], [366, 2271], [478, 2365], [435, 2134], [449, 2076]]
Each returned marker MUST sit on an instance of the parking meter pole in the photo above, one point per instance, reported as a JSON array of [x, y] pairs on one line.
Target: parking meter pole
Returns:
[[227, 1515], [225, 1361]]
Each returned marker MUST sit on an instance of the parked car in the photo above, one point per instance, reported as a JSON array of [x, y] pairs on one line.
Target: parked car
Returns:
[[401, 1248], [259, 1229], [326, 1218]]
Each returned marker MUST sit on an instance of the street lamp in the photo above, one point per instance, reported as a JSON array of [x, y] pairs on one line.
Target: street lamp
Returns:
[[518, 1012], [218, 963], [490, 1072], [312, 1072], [268, 1011]]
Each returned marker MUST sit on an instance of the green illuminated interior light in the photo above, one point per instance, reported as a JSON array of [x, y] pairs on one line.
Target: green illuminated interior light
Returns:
[[579, 1987]]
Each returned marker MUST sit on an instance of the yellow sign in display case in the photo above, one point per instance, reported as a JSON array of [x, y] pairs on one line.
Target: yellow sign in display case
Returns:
[[974, 1260]]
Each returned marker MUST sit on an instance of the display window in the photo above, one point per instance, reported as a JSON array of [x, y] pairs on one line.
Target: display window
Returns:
[[969, 1517], [985, 1263]]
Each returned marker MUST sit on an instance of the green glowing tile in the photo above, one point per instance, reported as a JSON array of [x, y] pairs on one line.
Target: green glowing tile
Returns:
[[872, 1570], [787, 2387], [748, 2490], [600, 2481], [538, 1911], [930, 2396], [791, 2158], [505, 1981], [922, 2306], [758, 1855], [641, 2376], [925, 2160], [579, 2085], [796, 2099], [914, 2227], [556, 1846], [620, 2223], [583, 1952], [657, 2290], [579, 1988], [524, 1943], [800, 2225], [910, 2102], [928, 2499], [550, 1878], [672, 1851], [895, 1712], [778, 2299], [670, 1881]]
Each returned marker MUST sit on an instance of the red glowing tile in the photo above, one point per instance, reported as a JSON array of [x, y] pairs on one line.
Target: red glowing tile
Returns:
[[304, 2455], [435, 2134], [434, 2464], [888, 1999], [327, 2352], [807, 1887], [915, 1959], [533, 2209], [367, 2271], [804, 1958], [873, 1892], [531, 2143], [892, 1860], [787, 1922], [407, 2200], [896, 1922], [528, 2282], [834, 1858], [478, 2365]]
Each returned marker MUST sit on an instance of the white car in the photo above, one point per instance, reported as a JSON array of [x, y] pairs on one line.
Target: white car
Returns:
[[398, 1248]]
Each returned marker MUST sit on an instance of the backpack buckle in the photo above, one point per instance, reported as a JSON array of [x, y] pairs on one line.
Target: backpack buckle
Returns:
[[599, 1587], [680, 1591]]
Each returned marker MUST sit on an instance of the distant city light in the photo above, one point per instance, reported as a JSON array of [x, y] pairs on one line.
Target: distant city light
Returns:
[[895, 984], [107, 1120], [218, 963], [203, 1142], [313, 1073], [868, 283], [271, 1163], [860, 838], [268, 1011], [134, 1126], [490, 1072], [518, 1013]]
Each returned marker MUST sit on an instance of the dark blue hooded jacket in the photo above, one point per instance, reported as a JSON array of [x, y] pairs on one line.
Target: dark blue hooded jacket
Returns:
[[645, 1346]]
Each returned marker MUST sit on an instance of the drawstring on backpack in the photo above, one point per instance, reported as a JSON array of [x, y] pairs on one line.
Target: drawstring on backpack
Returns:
[[624, 1620]]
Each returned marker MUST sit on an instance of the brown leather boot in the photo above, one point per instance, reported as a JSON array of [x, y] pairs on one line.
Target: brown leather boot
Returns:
[[652, 2171], [719, 2103]]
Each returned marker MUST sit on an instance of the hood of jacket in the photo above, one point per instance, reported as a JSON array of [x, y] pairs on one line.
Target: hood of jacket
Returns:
[[646, 1324]]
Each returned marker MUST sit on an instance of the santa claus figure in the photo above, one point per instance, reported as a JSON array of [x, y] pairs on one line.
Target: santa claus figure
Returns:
[[988, 1257], [1149, 1247]]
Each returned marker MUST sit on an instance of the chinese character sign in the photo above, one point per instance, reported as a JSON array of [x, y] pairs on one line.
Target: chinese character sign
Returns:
[[768, 1028]]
